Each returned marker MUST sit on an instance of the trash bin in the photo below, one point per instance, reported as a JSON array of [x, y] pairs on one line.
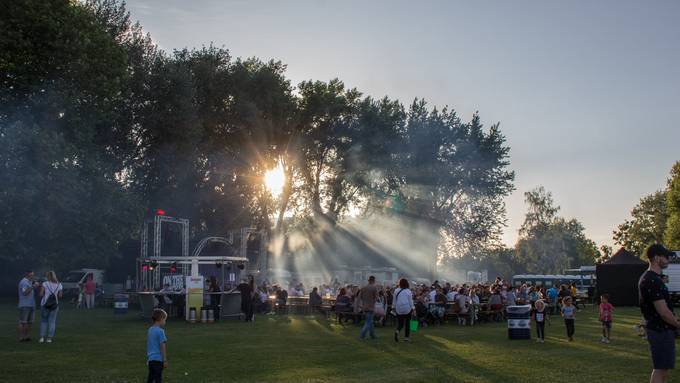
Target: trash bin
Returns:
[[519, 322], [204, 314], [120, 304]]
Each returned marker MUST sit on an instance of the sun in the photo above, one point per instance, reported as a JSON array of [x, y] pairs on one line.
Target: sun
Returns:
[[274, 180]]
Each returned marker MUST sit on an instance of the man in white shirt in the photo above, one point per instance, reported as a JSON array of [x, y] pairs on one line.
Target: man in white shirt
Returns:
[[26, 306], [451, 295], [432, 294]]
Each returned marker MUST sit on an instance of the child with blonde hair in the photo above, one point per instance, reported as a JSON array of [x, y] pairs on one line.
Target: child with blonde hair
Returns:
[[569, 314], [540, 316]]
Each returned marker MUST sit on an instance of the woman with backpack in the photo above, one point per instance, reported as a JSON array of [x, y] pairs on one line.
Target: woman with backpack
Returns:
[[50, 293], [403, 308]]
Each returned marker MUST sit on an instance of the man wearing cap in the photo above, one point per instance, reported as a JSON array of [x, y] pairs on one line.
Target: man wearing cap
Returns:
[[657, 308]]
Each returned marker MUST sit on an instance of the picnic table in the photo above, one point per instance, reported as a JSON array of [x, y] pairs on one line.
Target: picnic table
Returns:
[[300, 304]]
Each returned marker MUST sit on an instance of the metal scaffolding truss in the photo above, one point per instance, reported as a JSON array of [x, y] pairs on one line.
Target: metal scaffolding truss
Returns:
[[158, 222], [199, 247], [150, 278]]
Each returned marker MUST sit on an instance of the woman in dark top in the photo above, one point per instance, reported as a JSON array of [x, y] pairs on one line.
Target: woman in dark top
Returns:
[[247, 289], [342, 304], [215, 296]]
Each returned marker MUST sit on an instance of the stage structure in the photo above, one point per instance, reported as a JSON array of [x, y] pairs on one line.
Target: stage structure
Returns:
[[178, 277], [152, 278], [253, 246]]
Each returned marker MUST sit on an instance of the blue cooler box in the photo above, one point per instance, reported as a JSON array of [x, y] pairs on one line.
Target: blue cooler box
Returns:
[[519, 322], [120, 304]]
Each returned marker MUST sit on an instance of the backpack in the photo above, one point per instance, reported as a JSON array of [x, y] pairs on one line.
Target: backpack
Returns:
[[51, 303]]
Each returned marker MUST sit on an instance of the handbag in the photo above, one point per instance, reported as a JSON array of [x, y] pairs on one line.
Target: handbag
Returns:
[[51, 303], [379, 308]]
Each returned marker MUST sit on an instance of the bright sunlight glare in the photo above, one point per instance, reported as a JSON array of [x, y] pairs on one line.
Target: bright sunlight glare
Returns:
[[274, 180]]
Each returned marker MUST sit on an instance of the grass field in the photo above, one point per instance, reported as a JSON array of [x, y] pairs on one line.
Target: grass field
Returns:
[[96, 346]]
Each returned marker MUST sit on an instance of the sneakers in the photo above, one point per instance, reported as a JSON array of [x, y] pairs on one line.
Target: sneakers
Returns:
[[606, 340], [49, 340], [396, 336], [41, 340], [603, 340], [539, 340], [407, 339]]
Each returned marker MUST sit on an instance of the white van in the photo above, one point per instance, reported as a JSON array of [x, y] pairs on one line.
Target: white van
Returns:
[[75, 278]]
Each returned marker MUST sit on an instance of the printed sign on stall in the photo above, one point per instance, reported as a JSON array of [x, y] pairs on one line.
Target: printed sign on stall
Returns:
[[175, 281]]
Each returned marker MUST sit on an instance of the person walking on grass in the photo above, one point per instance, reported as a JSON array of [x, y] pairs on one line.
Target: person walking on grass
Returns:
[[404, 309], [657, 308], [26, 306], [50, 293], [368, 295], [156, 350], [90, 288], [540, 315], [569, 314], [606, 317]]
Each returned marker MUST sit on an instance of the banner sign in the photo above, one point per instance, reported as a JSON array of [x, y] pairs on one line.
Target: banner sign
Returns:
[[175, 281]]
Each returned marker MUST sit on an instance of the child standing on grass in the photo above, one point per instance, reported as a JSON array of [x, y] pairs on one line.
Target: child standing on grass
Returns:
[[157, 358], [606, 317], [569, 314], [540, 316]]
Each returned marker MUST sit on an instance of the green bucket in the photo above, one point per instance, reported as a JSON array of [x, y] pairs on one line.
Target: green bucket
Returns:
[[414, 325]]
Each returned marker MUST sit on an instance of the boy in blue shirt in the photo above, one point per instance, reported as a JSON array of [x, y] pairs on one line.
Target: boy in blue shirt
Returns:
[[156, 352]]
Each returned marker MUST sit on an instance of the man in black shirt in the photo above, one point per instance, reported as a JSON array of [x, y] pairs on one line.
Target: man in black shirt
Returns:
[[657, 308], [246, 288]]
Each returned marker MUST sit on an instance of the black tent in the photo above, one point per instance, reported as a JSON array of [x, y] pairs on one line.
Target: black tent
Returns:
[[619, 277]]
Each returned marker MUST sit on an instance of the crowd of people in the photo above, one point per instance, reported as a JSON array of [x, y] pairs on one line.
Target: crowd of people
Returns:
[[430, 301]]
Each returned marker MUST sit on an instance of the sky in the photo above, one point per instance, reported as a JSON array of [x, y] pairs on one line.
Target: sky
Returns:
[[586, 92]]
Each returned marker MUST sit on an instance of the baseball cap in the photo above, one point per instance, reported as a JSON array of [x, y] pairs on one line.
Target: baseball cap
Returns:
[[657, 250]]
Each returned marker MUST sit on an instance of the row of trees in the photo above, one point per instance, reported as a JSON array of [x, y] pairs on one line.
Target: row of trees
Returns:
[[549, 243], [98, 127]]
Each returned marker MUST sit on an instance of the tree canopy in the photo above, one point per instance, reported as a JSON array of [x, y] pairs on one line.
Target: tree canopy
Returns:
[[99, 127], [548, 243]]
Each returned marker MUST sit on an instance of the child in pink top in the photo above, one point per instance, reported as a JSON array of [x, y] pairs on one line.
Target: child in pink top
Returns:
[[606, 317]]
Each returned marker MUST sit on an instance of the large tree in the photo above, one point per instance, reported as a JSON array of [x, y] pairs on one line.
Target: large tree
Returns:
[[548, 243], [98, 127], [647, 224], [672, 230], [63, 136]]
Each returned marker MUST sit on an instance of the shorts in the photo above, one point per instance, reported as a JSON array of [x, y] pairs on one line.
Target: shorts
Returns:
[[26, 315], [607, 324], [662, 346]]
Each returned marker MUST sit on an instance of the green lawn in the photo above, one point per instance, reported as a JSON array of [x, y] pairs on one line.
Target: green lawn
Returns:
[[96, 346]]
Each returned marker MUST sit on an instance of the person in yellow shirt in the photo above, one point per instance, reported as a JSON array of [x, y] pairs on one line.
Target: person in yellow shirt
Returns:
[[572, 291]]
